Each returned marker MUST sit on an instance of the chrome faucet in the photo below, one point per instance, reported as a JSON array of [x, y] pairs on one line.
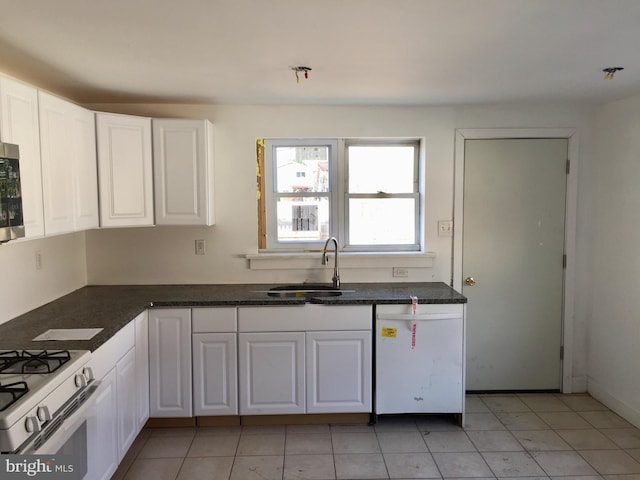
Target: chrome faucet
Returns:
[[325, 260]]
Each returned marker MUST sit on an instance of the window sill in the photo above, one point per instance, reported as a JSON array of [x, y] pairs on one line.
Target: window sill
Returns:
[[307, 260]]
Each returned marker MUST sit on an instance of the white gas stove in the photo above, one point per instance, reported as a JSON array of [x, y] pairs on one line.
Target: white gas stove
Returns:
[[38, 390]]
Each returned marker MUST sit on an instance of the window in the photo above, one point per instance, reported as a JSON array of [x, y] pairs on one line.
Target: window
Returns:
[[366, 193]]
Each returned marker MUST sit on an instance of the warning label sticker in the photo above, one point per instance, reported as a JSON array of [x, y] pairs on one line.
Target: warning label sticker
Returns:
[[389, 332]]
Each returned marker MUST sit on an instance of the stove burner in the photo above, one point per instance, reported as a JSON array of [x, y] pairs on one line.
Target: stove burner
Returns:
[[25, 362], [10, 393]]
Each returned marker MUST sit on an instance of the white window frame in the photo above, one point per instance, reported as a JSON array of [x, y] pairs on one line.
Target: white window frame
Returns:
[[272, 195], [415, 195], [338, 194]]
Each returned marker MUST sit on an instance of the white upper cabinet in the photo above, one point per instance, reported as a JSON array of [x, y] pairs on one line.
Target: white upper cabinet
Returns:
[[125, 170], [19, 125], [82, 130], [183, 172], [69, 183], [57, 169]]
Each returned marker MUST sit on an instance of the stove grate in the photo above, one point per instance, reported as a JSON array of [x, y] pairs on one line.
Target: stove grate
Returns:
[[24, 362], [11, 392]]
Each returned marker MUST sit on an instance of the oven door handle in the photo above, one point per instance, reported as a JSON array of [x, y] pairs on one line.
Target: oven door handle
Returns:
[[67, 428]]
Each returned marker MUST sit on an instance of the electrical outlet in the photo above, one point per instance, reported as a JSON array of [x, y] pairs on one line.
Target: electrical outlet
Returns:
[[200, 247], [445, 228], [400, 272], [38, 260]]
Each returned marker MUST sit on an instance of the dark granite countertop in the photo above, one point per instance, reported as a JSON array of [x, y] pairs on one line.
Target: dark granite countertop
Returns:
[[112, 307]]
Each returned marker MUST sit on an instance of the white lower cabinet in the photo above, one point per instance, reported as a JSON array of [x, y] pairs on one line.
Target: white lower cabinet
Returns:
[[103, 445], [142, 367], [215, 378], [117, 424], [338, 371], [215, 361], [304, 359], [127, 411], [271, 373], [170, 359]]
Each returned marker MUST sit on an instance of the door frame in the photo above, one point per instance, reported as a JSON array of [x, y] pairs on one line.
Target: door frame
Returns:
[[571, 135]]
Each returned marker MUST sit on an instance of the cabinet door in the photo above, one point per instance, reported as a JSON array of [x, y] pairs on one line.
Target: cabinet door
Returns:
[[103, 442], [271, 373], [338, 371], [125, 172], [183, 172], [19, 125], [215, 376], [142, 368], [57, 167], [170, 363], [82, 150], [127, 414]]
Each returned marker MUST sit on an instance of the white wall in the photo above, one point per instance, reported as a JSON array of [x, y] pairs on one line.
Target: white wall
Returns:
[[614, 321], [24, 288], [166, 255]]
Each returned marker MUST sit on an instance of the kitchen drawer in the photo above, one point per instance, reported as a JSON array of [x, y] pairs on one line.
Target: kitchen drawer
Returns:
[[106, 356], [214, 320]]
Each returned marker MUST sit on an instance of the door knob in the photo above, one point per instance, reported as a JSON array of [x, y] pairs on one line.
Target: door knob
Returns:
[[469, 281]]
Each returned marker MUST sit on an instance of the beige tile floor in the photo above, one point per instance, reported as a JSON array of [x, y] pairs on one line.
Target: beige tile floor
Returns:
[[564, 437]]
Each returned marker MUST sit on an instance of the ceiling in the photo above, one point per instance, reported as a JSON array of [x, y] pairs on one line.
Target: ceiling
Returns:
[[401, 52]]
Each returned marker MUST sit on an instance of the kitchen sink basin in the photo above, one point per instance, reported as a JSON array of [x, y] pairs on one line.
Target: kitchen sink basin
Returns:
[[304, 290]]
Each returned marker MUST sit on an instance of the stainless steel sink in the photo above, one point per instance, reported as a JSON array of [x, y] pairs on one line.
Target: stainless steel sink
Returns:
[[304, 290]]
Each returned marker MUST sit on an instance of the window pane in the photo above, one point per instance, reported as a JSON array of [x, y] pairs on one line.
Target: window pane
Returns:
[[381, 168], [302, 169], [382, 221], [303, 219]]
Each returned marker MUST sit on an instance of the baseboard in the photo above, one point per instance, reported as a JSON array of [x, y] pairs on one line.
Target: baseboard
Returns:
[[225, 421], [170, 422], [306, 419], [604, 396], [233, 420]]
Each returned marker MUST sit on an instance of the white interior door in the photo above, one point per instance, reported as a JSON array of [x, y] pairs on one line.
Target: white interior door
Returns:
[[512, 262]]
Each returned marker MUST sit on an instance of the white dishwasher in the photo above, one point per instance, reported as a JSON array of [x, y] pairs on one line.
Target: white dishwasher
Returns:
[[420, 359]]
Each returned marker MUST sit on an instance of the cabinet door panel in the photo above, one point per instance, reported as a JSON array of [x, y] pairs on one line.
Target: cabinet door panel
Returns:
[[142, 368], [338, 371], [215, 376], [57, 169], [271, 373], [19, 125], [82, 131], [170, 363], [103, 442], [183, 172], [126, 388], [124, 164]]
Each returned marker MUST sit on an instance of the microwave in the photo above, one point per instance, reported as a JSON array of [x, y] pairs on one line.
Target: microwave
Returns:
[[11, 216]]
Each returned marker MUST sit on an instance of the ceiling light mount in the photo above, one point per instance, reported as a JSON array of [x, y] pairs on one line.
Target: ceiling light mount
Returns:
[[609, 72], [301, 70]]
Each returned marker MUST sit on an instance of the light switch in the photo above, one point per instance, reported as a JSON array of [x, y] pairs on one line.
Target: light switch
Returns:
[[200, 247]]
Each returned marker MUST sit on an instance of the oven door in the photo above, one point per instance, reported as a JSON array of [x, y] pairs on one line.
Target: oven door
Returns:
[[71, 437]]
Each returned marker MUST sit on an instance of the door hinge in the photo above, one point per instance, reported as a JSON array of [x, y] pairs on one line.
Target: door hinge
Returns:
[[564, 261], [568, 166], [562, 352]]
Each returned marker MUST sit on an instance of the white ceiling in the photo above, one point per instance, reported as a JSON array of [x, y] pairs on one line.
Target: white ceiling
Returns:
[[361, 51]]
